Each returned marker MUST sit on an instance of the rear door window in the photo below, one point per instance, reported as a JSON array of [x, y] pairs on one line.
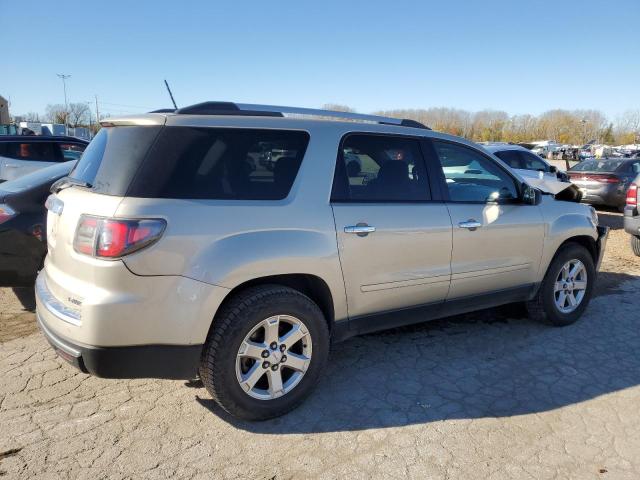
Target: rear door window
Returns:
[[380, 168], [221, 163]]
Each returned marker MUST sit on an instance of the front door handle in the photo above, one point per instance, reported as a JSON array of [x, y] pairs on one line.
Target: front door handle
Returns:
[[470, 224], [361, 229]]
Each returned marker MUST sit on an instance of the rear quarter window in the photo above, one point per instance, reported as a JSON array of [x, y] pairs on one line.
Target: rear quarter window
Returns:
[[221, 163]]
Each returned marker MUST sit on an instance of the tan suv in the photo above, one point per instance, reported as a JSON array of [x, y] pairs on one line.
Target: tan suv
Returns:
[[174, 252]]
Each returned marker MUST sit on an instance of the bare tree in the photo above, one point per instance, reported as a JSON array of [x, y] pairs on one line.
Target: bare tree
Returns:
[[56, 113], [79, 114], [336, 107]]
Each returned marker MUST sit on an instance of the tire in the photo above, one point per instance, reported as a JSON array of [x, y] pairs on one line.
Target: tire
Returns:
[[543, 307], [221, 367], [635, 244]]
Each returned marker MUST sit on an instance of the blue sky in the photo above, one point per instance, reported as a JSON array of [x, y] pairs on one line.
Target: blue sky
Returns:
[[519, 56]]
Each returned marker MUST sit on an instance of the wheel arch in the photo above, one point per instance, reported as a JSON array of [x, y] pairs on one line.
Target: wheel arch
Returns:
[[310, 285]]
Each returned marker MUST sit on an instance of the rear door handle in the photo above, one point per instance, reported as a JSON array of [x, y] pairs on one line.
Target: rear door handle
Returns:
[[361, 229], [470, 224]]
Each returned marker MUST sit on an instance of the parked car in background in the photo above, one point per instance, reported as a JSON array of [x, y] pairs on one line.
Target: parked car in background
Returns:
[[519, 158], [23, 224], [605, 181], [23, 154], [632, 214], [537, 171], [168, 258]]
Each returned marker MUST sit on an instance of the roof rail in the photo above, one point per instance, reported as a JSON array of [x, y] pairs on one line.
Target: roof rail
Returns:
[[230, 108]]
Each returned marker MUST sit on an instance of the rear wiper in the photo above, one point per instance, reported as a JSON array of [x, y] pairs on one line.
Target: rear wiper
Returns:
[[66, 182]]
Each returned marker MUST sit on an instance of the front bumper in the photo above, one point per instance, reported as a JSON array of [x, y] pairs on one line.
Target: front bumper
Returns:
[[601, 243]]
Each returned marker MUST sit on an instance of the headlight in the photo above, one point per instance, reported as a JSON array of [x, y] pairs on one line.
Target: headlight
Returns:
[[594, 216]]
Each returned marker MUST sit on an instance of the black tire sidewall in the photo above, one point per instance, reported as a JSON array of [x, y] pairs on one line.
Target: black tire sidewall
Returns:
[[232, 396], [635, 244], [571, 252]]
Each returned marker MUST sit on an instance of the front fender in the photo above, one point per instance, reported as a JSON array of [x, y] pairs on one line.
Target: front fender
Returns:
[[562, 227]]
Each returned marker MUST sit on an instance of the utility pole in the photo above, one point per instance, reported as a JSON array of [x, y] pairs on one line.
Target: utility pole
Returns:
[[97, 112], [66, 108]]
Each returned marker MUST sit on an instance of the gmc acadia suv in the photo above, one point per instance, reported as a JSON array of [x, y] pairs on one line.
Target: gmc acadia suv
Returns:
[[175, 252]]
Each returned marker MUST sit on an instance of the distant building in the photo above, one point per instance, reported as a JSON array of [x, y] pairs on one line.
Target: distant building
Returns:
[[4, 111]]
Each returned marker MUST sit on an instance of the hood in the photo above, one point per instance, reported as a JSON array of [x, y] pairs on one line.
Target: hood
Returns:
[[546, 183]]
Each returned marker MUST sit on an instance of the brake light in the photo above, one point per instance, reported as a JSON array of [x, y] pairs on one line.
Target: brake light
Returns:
[[6, 213], [632, 195], [113, 238], [607, 179]]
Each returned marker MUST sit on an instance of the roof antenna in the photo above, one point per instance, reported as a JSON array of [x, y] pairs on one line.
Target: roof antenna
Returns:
[[171, 95]]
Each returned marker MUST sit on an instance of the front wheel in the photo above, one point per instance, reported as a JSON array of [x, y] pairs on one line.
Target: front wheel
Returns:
[[265, 353], [566, 289], [635, 244]]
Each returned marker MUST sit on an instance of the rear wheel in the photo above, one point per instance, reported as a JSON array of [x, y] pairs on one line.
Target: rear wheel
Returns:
[[566, 289], [635, 244], [265, 353]]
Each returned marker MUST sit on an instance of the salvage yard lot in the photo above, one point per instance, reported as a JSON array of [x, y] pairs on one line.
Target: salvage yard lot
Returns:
[[485, 395]]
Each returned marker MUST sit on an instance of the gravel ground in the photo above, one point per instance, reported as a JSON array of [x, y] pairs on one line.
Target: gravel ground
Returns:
[[490, 395]]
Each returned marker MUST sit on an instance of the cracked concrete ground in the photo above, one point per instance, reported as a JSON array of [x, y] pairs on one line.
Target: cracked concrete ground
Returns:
[[489, 395]]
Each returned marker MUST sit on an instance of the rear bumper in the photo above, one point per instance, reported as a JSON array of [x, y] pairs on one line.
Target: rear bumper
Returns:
[[632, 221], [603, 235], [140, 327], [145, 361]]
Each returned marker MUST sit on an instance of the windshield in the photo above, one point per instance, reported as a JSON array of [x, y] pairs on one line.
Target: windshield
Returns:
[[39, 177], [597, 166]]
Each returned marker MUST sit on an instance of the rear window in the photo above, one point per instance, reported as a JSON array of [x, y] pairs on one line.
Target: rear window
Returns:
[[113, 157], [597, 166], [219, 163]]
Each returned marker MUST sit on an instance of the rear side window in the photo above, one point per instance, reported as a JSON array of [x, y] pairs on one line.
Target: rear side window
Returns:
[[33, 151], [380, 168], [224, 164]]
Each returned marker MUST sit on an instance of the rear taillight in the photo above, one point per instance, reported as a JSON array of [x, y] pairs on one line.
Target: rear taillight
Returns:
[[6, 213], [113, 238], [607, 179], [632, 195]]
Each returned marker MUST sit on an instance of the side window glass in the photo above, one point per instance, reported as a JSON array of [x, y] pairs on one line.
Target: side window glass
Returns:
[[34, 151], [533, 162], [71, 151], [511, 158], [472, 177], [377, 168]]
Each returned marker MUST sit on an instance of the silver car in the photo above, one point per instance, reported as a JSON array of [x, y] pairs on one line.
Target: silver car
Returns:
[[173, 254]]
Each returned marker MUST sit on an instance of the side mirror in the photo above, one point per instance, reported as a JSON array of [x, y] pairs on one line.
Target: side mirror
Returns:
[[553, 169], [530, 195]]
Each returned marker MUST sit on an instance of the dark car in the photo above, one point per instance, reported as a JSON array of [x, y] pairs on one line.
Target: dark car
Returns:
[[605, 181], [632, 215], [24, 154], [23, 243]]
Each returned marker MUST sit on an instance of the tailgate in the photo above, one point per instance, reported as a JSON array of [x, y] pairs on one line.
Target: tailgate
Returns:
[[66, 269]]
